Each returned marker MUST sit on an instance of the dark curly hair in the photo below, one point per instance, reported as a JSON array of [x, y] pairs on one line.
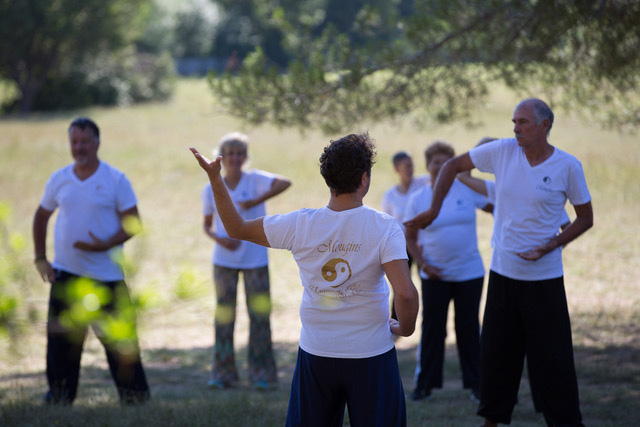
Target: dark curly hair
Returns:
[[343, 162]]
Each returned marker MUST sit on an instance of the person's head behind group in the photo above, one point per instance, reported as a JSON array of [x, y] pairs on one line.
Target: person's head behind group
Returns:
[[234, 149], [344, 161], [438, 148], [233, 140], [436, 154], [403, 165]]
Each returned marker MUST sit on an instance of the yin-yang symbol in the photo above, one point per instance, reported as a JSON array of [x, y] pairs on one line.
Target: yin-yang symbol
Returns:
[[337, 271]]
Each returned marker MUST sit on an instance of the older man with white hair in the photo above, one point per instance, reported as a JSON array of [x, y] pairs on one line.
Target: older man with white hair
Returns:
[[526, 311]]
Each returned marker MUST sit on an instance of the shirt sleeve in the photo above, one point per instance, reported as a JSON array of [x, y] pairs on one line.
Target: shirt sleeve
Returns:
[[395, 246], [48, 200], [577, 191], [484, 155], [125, 197], [208, 204], [280, 230], [263, 181]]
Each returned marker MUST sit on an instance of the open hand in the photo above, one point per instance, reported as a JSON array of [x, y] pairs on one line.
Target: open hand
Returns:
[[212, 168]]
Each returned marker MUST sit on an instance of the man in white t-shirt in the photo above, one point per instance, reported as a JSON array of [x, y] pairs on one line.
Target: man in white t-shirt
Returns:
[[526, 312], [344, 250], [94, 200]]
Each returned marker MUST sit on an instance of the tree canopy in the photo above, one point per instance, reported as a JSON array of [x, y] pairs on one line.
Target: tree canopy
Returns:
[[435, 60], [40, 36]]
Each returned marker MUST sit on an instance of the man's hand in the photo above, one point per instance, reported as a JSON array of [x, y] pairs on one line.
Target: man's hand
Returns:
[[95, 245], [394, 327], [247, 204], [228, 243], [532, 255], [422, 220], [434, 273], [537, 253], [212, 168], [45, 270]]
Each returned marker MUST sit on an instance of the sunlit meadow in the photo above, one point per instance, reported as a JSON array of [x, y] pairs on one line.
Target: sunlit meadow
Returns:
[[172, 271]]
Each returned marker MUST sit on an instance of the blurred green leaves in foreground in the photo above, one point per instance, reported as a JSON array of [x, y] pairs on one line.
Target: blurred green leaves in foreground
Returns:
[[23, 296]]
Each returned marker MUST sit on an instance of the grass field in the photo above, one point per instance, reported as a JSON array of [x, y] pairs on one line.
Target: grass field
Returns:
[[150, 144]]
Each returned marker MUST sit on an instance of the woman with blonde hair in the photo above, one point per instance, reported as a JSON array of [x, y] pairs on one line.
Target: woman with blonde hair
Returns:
[[249, 190]]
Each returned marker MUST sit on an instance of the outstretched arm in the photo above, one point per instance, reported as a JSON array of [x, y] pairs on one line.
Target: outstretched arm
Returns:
[[236, 226], [445, 178], [405, 297]]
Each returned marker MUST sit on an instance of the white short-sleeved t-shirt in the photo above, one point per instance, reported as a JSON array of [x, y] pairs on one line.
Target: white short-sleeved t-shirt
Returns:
[[345, 303], [394, 202], [450, 242], [84, 206], [252, 184], [491, 196], [529, 205]]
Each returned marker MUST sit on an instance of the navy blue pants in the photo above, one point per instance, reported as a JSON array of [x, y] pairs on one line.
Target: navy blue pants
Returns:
[[528, 318], [371, 389], [70, 314], [436, 296]]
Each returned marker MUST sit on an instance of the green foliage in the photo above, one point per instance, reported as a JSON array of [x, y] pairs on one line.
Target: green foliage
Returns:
[[185, 28], [16, 309], [42, 37], [435, 62], [189, 285], [121, 78]]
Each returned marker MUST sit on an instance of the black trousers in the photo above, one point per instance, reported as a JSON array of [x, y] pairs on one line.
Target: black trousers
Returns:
[[528, 318], [370, 387], [75, 303], [436, 296]]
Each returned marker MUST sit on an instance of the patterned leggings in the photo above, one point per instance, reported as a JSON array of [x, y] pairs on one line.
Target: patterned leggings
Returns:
[[262, 367]]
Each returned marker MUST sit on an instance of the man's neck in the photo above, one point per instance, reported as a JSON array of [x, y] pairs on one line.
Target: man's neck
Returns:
[[539, 153], [85, 171], [404, 185], [345, 202], [232, 179]]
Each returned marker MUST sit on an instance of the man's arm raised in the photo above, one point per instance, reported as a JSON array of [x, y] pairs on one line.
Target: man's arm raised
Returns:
[[236, 226], [443, 183]]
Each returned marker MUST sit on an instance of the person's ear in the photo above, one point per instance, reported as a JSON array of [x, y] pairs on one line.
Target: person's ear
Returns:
[[365, 178]]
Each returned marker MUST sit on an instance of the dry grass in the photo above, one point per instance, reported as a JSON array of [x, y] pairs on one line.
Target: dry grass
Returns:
[[149, 143]]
